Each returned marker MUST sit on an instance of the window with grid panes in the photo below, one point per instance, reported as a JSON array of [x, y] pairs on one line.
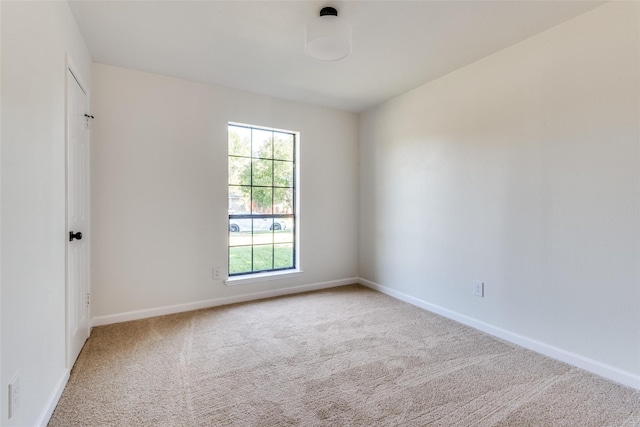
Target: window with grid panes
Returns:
[[262, 211]]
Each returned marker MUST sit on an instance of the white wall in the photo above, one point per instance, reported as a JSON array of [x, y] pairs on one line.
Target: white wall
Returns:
[[36, 36], [522, 170], [159, 190]]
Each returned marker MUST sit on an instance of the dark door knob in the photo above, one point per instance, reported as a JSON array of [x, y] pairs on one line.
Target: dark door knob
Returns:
[[77, 235]]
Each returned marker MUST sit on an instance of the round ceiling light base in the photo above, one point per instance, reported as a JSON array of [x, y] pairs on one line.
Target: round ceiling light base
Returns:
[[328, 36]]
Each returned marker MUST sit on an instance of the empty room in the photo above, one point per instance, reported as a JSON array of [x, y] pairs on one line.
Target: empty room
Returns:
[[365, 213]]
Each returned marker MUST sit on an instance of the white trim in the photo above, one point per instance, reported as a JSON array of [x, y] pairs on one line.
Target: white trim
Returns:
[[262, 277], [51, 404], [612, 373], [161, 311]]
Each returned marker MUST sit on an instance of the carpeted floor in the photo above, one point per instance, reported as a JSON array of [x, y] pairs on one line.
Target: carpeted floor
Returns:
[[347, 356]]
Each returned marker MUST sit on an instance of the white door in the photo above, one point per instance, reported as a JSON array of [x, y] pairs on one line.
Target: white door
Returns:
[[77, 218]]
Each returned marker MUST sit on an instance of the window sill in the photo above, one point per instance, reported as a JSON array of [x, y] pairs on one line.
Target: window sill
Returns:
[[262, 277]]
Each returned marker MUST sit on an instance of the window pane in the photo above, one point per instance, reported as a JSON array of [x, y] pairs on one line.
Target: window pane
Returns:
[[262, 233], [240, 225], [239, 141], [262, 144], [283, 144], [279, 225], [240, 238], [239, 170], [240, 260], [283, 256], [263, 237], [262, 172], [262, 257], [283, 236], [262, 200], [239, 198], [282, 174], [283, 200]]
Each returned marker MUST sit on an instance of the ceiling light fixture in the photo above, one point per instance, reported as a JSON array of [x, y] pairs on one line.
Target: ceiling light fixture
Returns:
[[328, 36]]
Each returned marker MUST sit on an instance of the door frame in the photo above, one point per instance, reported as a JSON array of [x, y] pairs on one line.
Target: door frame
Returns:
[[77, 76]]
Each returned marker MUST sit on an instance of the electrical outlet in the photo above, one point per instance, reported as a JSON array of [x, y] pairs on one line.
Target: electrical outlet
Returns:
[[478, 288], [14, 396], [217, 273]]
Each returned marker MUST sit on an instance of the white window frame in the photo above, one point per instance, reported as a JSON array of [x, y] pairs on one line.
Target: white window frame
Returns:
[[278, 274]]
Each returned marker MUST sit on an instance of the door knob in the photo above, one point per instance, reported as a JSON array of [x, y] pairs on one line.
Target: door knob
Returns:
[[77, 235]]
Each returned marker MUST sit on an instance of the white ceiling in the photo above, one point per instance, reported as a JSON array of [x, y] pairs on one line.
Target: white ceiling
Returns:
[[258, 46]]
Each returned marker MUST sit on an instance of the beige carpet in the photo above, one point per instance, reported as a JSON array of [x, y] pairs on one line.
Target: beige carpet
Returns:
[[342, 357]]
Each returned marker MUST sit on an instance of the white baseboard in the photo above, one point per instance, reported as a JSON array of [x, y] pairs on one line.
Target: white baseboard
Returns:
[[45, 416], [197, 305], [582, 362]]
